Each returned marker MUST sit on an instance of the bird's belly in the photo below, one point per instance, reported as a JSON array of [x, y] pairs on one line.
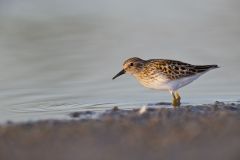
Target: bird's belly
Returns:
[[176, 84], [157, 83], [161, 83]]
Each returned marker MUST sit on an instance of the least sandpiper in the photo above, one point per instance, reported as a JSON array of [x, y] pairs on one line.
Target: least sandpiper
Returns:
[[163, 74]]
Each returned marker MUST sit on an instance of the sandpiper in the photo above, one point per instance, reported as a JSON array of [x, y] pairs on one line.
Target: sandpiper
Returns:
[[164, 74]]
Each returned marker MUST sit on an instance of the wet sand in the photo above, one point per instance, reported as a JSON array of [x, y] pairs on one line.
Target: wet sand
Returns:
[[190, 132]]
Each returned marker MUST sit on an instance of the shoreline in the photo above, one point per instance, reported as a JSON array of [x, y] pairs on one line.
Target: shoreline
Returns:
[[201, 131]]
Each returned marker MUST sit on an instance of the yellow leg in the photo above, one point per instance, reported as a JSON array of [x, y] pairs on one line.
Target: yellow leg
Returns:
[[177, 95], [175, 101]]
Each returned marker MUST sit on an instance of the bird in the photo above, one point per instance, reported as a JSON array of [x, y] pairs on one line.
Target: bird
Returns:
[[164, 74]]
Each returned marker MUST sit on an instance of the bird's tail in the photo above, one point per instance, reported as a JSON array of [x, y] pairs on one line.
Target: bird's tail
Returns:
[[204, 68], [207, 66]]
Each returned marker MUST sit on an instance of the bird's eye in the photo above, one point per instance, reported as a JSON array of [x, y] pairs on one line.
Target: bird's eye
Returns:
[[131, 64]]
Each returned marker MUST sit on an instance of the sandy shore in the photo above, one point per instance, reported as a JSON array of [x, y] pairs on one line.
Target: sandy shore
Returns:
[[186, 133]]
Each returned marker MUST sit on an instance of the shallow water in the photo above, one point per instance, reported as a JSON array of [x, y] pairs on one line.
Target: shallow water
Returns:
[[61, 58]]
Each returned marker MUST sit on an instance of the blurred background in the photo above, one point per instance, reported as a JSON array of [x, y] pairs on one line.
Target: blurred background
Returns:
[[59, 56]]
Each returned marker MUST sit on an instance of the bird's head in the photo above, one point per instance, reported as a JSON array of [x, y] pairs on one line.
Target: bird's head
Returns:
[[131, 66]]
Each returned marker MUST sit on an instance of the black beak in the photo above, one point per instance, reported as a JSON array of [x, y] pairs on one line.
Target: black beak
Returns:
[[119, 74]]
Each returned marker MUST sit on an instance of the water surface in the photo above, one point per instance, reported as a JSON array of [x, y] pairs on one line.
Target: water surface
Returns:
[[59, 57]]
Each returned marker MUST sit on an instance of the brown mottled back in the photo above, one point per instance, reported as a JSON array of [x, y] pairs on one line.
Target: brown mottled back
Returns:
[[172, 69]]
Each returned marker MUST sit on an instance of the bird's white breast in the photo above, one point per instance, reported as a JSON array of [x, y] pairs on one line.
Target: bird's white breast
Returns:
[[158, 82], [161, 83]]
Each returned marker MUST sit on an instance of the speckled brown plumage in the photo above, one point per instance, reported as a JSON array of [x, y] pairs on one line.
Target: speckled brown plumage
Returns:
[[173, 69]]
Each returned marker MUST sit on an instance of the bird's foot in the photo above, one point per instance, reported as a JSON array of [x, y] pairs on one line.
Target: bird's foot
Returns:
[[175, 103], [178, 101]]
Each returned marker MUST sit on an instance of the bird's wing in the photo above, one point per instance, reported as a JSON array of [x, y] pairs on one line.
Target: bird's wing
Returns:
[[172, 69]]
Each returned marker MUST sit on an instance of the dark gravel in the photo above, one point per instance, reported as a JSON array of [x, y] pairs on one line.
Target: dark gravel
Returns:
[[190, 132]]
